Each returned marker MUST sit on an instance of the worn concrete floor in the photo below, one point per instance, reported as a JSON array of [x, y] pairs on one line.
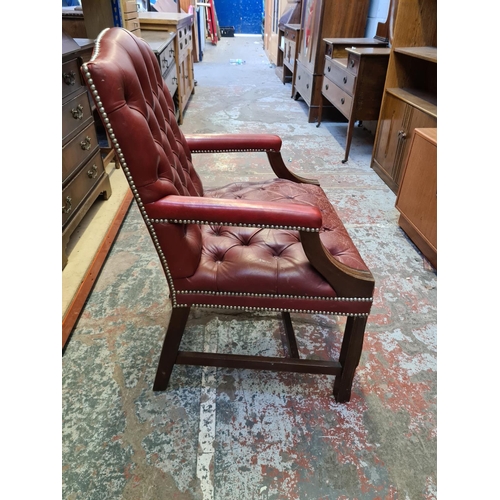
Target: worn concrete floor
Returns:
[[240, 434]]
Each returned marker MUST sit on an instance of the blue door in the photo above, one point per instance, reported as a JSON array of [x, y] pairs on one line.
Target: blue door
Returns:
[[245, 15]]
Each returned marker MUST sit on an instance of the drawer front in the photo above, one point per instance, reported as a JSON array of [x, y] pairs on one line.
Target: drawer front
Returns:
[[167, 58], [71, 81], [74, 194], [340, 99], [78, 150], [336, 73], [304, 83], [171, 81], [75, 114], [353, 63], [132, 24], [291, 35], [184, 43]]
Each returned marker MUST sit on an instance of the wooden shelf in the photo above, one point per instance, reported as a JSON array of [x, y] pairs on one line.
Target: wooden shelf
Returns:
[[421, 100], [425, 53]]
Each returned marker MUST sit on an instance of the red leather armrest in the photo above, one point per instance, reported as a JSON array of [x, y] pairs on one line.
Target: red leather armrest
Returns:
[[213, 143], [236, 212]]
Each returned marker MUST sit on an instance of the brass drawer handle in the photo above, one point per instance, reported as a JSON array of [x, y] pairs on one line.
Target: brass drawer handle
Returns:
[[67, 207], [174, 80], [77, 112], [342, 100], [69, 78], [85, 144], [171, 51], [344, 79], [92, 173], [165, 60], [353, 62]]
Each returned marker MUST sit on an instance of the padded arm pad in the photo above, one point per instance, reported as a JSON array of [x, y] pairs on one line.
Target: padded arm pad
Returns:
[[213, 143], [236, 212]]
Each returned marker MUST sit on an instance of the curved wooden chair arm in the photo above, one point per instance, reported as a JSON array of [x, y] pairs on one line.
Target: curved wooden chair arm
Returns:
[[345, 280], [234, 143]]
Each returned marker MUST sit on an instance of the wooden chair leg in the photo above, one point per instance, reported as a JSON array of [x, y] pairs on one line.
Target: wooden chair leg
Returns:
[[350, 354], [170, 347]]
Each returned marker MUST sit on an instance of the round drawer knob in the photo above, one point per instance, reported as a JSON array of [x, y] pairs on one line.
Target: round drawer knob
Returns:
[[326, 87], [329, 69], [344, 79], [342, 100], [352, 63]]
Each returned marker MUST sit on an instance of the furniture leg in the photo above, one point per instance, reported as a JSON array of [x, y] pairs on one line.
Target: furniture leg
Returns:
[[350, 354], [320, 112], [350, 128], [170, 347], [290, 335]]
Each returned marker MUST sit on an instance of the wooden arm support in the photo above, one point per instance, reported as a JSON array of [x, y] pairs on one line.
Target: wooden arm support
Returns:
[[234, 143], [345, 280]]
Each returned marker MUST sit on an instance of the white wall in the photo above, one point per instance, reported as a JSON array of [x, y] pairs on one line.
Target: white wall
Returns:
[[377, 13]]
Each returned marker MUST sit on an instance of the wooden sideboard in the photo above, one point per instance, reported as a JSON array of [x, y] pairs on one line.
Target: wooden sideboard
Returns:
[[84, 177], [181, 25], [417, 195], [353, 81]]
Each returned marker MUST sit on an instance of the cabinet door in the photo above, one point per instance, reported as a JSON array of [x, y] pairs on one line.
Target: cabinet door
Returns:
[[416, 119], [417, 194], [389, 134], [398, 120]]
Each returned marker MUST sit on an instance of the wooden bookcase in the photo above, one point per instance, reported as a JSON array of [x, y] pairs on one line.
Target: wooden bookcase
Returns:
[[323, 19], [410, 90]]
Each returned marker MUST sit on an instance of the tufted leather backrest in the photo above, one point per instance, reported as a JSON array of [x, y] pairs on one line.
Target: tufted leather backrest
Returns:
[[137, 102], [138, 111]]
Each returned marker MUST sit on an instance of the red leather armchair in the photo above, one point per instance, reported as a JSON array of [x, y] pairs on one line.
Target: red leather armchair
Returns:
[[272, 246]]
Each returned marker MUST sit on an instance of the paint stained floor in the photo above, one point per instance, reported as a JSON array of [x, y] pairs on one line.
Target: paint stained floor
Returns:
[[240, 434]]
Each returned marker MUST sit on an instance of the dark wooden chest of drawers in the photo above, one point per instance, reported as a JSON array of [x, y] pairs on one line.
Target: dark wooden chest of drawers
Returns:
[[83, 175], [353, 79]]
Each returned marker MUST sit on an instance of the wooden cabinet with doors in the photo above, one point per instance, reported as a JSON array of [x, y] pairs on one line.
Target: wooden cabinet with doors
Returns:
[[323, 19], [410, 91]]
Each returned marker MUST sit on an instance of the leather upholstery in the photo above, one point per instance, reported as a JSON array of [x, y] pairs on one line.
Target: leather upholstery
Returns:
[[209, 257]]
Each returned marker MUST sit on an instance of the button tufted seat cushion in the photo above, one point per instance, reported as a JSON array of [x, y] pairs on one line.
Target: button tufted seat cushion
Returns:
[[276, 245], [265, 263]]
